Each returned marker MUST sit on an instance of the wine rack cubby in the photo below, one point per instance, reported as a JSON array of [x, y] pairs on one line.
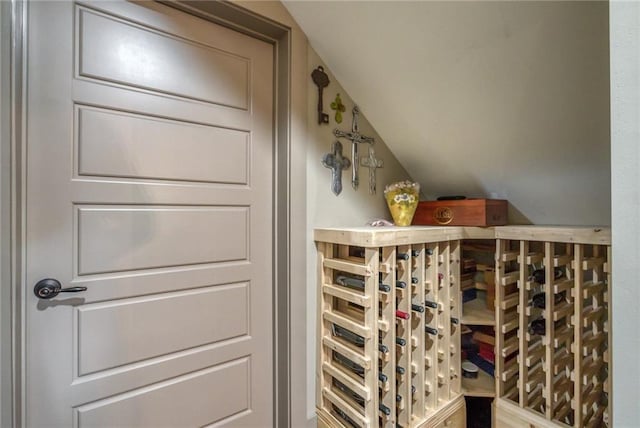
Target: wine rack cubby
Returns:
[[552, 331], [390, 317], [388, 324]]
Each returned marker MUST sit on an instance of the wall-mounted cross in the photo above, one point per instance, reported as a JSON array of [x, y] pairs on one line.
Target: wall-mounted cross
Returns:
[[336, 162], [373, 164], [356, 138]]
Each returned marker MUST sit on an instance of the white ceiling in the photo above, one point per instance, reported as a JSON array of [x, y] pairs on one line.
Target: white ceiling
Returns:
[[508, 99]]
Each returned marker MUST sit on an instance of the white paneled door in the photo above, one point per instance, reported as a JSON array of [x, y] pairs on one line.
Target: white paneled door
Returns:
[[149, 183]]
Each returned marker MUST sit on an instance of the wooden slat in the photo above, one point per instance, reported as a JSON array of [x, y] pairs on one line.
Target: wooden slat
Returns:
[[510, 301], [536, 352], [534, 258], [510, 278], [590, 289], [510, 325], [535, 397], [403, 330], [589, 315], [510, 346], [325, 250], [348, 295], [609, 380], [349, 351], [348, 266], [418, 323], [592, 262], [549, 250], [535, 377], [347, 323], [562, 410], [562, 310], [562, 260], [563, 361], [562, 385], [343, 405], [509, 256], [353, 383], [563, 286], [577, 338], [501, 248], [372, 264], [591, 342]]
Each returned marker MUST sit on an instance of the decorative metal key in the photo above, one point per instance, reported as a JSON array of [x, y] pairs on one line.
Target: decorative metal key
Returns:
[[321, 80], [336, 162], [356, 138]]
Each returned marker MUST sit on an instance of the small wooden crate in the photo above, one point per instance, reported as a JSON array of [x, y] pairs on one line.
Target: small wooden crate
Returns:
[[466, 212]]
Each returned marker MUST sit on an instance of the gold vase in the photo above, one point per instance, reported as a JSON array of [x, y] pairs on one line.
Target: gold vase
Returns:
[[402, 199]]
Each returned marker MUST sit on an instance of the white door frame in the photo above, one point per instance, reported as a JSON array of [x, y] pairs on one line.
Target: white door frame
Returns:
[[13, 22]]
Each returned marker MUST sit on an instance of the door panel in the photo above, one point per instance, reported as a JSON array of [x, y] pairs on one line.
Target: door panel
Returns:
[[177, 402], [125, 238], [149, 181], [119, 51], [115, 144], [131, 330]]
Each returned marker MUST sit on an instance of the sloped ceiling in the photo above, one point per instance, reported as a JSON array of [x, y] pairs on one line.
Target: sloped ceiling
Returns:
[[501, 99]]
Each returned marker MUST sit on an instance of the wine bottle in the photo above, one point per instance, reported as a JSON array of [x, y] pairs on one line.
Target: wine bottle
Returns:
[[455, 321], [430, 304], [400, 370], [539, 275], [344, 416], [349, 336], [382, 377], [401, 284], [398, 398], [403, 256], [431, 330], [400, 341], [414, 280], [384, 409], [415, 253], [538, 300], [417, 308], [428, 251], [402, 315], [356, 368], [383, 348], [357, 283], [348, 392], [537, 327]]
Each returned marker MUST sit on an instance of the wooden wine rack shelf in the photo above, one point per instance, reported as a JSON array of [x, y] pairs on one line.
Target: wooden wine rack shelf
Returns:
[[389, 321]]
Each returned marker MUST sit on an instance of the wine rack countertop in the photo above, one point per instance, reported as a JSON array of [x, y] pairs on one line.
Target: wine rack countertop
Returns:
[[368, 236]]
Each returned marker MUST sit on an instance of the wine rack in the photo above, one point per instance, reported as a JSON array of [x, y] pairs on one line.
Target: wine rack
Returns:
[[388, 324], [390, 318], [552, 312]]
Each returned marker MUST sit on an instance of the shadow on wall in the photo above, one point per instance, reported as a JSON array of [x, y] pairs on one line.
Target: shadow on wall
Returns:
[[515, 216]]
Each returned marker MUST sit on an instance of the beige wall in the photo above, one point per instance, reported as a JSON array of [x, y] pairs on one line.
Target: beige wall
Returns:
[[509, 99], [351, 207], [314, 205], [625, 157]]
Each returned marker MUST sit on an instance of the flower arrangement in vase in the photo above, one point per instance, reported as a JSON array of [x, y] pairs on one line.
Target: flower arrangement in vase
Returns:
[[402, 199]]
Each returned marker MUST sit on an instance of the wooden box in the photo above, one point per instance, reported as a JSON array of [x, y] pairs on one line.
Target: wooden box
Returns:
[[465, 212]]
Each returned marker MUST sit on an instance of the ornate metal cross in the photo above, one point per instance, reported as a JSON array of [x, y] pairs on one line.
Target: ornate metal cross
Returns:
[[373, 164], [356, 138], [336, 162]]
